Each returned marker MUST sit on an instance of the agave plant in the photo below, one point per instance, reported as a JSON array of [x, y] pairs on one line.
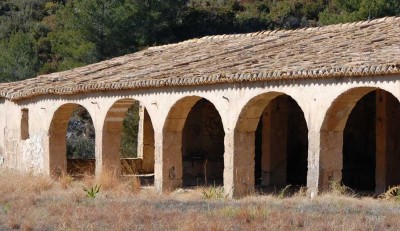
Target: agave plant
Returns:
[[93, 191]]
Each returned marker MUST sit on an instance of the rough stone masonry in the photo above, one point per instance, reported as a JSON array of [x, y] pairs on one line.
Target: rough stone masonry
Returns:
[[306, 107]]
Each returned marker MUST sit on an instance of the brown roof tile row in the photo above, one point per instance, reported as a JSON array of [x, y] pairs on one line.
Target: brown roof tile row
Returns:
[[369, 48]]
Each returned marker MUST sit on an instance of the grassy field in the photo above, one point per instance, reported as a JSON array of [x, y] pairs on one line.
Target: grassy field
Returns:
[[38, 203]]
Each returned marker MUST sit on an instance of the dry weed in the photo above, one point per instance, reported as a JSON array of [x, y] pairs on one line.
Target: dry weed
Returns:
[[13, 223], [27, 226], [108, 180], [65, 180], [134, 184], [338, 189], [29, 203], [393, 193]]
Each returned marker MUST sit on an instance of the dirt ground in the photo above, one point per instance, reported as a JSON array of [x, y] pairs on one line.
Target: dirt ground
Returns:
[[39, 203]]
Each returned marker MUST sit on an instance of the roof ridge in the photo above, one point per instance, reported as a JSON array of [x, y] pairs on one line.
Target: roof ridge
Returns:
[[211, 38]]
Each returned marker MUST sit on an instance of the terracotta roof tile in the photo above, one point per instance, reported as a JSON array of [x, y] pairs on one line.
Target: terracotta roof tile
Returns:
[[351, 49]]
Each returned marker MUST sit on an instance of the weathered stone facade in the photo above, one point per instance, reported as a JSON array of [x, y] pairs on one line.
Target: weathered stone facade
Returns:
[[35, 113]]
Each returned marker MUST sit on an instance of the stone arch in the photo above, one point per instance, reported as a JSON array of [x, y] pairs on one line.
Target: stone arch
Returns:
[[112, 136], [58, 161], [263, 142], [375, 111], [176, 147]]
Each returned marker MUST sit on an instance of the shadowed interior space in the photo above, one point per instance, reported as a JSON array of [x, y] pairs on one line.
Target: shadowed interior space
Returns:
[[281, 145], [371, 151], [203, 146]]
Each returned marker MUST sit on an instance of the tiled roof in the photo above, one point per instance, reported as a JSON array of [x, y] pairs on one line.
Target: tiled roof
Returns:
[[369, 48]]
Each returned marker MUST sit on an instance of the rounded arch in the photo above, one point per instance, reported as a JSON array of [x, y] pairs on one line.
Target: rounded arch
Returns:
[[180, 109], [250, 114], [336, 115], [58, 137], [178, 112], [184, 116], [270, 127], [143, 139], [356, 128]]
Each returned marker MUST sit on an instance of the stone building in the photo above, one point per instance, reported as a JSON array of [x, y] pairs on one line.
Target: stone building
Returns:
[[305, 107]]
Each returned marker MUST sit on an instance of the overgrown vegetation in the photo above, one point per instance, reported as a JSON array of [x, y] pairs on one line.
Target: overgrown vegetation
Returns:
[[39, 203], [130, 129], [213, 192], [80, 135], [92, 192]]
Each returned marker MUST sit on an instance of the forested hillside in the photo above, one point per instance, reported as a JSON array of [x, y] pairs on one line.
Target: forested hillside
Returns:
[[44, 36]]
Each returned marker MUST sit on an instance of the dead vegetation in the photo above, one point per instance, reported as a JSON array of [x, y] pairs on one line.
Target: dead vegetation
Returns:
[[39, 203]]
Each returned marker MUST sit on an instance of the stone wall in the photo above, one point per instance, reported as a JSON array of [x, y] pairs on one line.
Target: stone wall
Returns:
[[326, 104]]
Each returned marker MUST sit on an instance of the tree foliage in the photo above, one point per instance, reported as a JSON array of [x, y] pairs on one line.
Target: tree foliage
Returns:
[[62, 34], [18, 57], [340, 11], [130, 129], [80, 135], [44, 36]]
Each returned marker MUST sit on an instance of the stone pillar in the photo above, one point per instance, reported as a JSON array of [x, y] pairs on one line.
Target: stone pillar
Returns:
[[57, 152], [145, 148], [313, 167], [168, 161], [331, 142], [240, 147], [393, 144], [381, 138], [239, 163], [168, 146], [331, 161], [58, 141], [387, 149], [274, 143], [158, 162], [98, 152], [140, 135], [330, 156], [108, 158], [110, 143]]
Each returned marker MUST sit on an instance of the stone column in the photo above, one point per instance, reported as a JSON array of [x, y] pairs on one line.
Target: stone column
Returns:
[[331, 141], [381, 144], [146, 141], [140, 135], [158, 162], [168, 146], [387, 149], [58, 141], [108, 158], [331, 158], [274, 143], [313, 168], [239, 163], [57, 152]]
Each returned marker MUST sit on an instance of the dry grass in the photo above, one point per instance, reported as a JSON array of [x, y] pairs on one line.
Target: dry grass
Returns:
[[37, 203]]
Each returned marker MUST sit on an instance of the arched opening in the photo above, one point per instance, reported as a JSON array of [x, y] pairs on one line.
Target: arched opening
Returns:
[[358, 140], [273, 129], [359, 145], [203, 146], [193, 144], [71, 141], [128, 140]]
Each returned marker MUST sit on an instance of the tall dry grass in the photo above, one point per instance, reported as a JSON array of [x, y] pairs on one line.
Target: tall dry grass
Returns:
[[38, 203]]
